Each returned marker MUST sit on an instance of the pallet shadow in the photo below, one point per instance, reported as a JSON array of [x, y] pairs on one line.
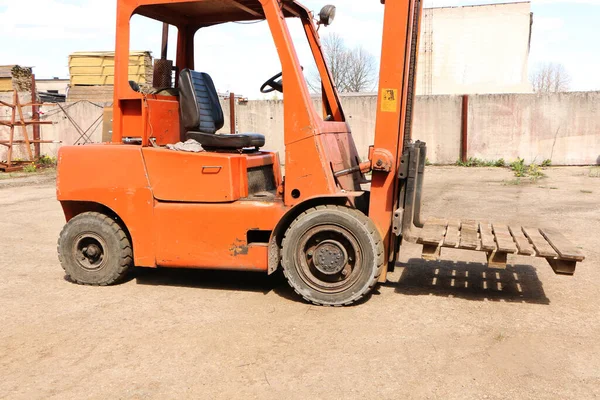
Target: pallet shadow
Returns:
[[208, 279], [471, 281]]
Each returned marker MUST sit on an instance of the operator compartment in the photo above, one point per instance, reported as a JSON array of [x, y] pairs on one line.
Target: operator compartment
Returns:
[[209, 167]]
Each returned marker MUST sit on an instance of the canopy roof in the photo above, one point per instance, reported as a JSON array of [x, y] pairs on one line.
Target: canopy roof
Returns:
[[207, 12]]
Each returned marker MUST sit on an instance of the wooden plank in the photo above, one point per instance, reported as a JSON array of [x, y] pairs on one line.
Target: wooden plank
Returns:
[[504, 239], [565, 249], [433, 231], [562, 267], [487, 237], [522, 242], [12, 168], [497, 260], [452, 237], [540, 244], [469, 239]]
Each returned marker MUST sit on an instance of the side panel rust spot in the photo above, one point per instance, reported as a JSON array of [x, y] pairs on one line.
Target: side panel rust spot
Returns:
[[239, 247]]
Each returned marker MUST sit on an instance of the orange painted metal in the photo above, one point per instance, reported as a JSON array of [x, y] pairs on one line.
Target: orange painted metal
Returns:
[[113, 176], [391, 107], [194, 209], [163, 119], [261, 159], [195, 177], [214, 235]]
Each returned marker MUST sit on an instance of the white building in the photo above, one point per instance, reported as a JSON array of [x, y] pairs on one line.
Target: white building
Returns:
[[475, 49], [54, 85]]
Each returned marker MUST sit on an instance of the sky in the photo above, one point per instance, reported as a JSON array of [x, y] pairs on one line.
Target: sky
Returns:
[[240, 57]]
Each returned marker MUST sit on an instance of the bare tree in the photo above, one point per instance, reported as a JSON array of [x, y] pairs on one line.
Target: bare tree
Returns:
[[550, 78], [336, 55], [361, 71], [352, 70]]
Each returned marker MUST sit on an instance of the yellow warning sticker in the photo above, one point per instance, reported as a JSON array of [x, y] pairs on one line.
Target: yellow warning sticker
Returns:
[[389, 100]]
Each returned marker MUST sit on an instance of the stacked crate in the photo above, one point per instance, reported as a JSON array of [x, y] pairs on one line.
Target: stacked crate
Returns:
[[93, 74]]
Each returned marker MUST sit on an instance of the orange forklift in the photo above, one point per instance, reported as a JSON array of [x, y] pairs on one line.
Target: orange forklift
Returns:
[[135, 201]]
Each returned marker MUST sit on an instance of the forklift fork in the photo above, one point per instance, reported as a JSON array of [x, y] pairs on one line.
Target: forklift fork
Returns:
[[496, 240], [407, 218]]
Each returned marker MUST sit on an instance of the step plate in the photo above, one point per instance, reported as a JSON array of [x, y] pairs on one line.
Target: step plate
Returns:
[[499, 240]]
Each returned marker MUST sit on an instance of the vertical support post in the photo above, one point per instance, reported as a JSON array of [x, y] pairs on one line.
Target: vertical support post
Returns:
[[35, 117], [12, 130], [23, 127], [165, 41], [464, 139], [232, 123]]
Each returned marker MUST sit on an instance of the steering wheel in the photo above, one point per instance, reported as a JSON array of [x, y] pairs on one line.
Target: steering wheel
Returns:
[[273, 84]]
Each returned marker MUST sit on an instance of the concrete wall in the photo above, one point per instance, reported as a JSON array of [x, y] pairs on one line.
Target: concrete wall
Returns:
[[475, 49], [562, 127], [85, 114], [266, 117]]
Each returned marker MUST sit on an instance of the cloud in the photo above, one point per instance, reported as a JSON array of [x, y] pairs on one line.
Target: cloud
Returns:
[[55, 19], [592, 2], [42, 33], [544, 24]]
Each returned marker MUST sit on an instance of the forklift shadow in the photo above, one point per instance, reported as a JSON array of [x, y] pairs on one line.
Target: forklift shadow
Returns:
[[208, 279], [470, 281]]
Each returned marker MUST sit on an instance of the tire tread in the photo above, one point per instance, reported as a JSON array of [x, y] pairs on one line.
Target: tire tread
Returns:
[[125, 251], [372, 229]]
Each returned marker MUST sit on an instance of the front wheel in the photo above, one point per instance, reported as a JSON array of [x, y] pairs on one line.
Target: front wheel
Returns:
[[332, 255], [94, 250]]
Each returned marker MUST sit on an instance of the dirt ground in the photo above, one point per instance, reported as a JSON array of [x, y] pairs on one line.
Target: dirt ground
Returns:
[[437, 330]]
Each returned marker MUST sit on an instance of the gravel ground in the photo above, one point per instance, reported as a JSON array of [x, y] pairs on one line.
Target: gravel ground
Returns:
[[436, 330]]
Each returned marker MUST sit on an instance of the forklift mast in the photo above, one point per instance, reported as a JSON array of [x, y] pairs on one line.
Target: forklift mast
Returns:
[[397, 81]]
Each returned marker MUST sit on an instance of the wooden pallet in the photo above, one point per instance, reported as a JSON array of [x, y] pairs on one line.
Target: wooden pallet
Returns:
[[499, 240]]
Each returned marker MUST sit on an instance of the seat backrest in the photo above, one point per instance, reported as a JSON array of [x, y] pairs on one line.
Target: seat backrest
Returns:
[[199, 106]]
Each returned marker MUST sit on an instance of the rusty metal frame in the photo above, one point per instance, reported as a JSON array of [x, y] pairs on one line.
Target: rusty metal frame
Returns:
[[17, 108], [464, 129]]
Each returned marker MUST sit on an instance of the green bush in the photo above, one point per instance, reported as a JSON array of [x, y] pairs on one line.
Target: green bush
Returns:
[[30, 168], [547, 163], [47, 161], [519, 168], [476, 162], [535, 172]]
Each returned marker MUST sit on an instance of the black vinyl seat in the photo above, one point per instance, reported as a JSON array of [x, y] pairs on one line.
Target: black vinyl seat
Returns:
[[202, 116]]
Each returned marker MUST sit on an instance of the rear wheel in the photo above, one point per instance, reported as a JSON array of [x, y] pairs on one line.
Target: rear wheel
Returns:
[[94, 250], [332, 255]]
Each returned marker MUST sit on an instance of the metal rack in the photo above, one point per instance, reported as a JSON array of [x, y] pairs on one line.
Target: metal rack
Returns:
[[17, 110]]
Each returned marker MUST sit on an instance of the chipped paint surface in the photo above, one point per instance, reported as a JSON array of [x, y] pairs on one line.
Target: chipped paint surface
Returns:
[[239, 247]]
